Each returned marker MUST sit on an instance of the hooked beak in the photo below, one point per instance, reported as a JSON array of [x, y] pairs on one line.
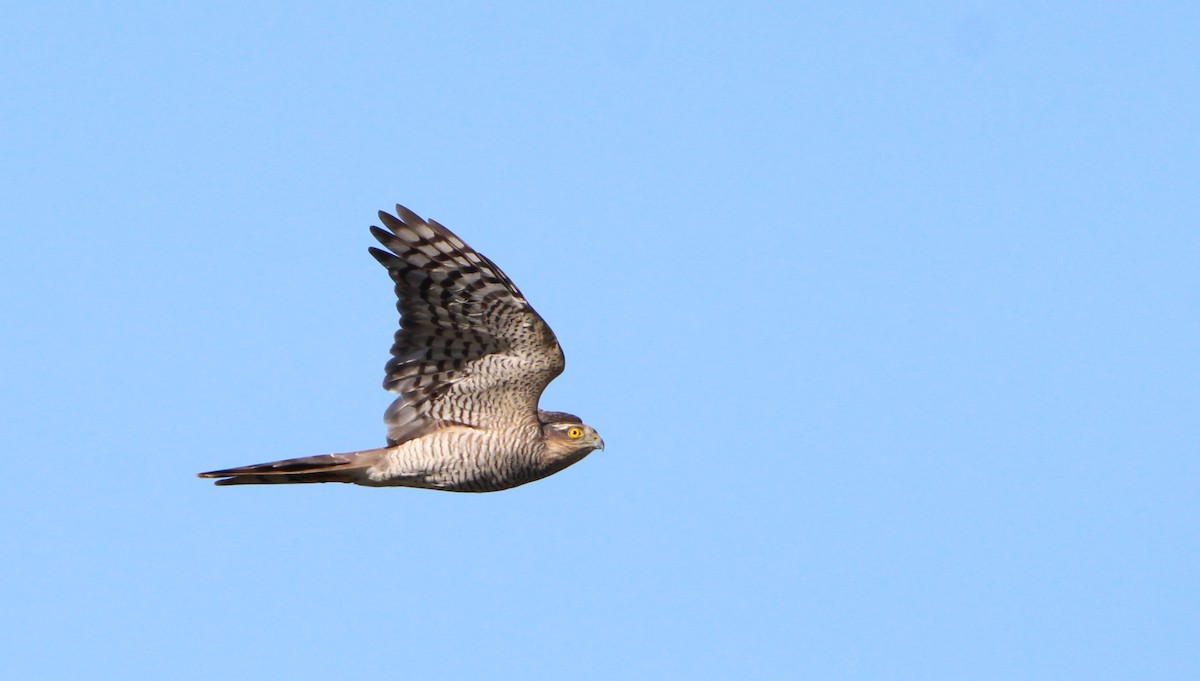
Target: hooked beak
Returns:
[[599, 443]]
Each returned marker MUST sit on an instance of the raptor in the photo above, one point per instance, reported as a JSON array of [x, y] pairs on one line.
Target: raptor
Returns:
[[469, 363]]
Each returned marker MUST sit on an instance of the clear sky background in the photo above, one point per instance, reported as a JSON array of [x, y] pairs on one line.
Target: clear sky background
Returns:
[[888, 317]]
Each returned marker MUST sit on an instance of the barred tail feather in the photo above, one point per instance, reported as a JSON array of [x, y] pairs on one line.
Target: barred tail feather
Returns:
[[346, 467]]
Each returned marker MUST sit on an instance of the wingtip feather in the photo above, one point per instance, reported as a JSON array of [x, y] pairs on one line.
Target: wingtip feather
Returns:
[[407, 216]]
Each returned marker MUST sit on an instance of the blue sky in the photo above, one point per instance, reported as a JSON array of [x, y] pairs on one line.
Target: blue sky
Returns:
[[888, 317]]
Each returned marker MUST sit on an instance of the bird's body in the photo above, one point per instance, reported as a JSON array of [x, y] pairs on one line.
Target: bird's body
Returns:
[[470, 362], [464, 459]]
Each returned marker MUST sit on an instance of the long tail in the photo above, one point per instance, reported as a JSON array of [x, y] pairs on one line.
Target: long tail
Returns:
[[346, 467]]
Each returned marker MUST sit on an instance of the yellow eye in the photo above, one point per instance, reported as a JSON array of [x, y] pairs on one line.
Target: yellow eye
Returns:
[[574, 432]]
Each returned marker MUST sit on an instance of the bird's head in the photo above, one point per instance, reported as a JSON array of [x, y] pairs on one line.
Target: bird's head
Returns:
[[568, 438]]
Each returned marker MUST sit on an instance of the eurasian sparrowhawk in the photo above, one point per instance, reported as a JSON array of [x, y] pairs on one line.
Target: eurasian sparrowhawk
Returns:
[[470, 362]]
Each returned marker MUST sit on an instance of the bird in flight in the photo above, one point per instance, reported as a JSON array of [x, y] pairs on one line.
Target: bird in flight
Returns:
[[469, 362]]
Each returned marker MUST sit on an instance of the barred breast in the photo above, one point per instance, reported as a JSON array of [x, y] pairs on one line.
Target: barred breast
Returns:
[[462, 459]]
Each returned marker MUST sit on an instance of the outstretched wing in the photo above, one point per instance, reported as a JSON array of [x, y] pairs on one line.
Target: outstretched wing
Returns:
[[470, 349]]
